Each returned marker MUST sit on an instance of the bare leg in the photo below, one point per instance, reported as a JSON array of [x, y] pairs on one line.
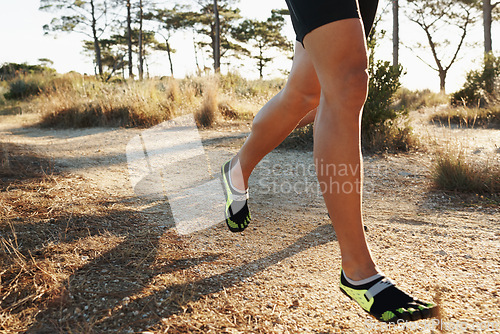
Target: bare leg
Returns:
[[338, 52], [307, 119], [274, 122]]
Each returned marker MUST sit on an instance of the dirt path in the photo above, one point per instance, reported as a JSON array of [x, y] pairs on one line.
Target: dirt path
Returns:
[[280, 276]]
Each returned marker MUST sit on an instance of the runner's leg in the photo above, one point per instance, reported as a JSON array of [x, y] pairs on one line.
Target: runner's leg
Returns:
[[274, 122], [338, 52]]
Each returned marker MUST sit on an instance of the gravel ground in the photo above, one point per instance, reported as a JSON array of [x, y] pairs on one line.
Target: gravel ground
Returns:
[[281, 274]]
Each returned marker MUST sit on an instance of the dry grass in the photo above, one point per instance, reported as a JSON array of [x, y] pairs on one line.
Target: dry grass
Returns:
[[390, 138], [413, 100], [75, 101], [3, 91], [469, 117], [69, 257], [209, 111], [300, 139], [87, 103], [453, 171]]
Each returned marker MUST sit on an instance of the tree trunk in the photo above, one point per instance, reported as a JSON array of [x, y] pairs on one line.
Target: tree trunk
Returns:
[[97, 46], [169, 53], [487, 8], [395, 33], [129, 40], [216, 39], [442, 81], [141, 58], [261, 62]]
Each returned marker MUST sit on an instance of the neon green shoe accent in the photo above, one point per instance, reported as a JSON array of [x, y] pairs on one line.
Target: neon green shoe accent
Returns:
[[358, 296], [400, 310], [232, 224], [411, 310], [387, 315], [228, 191]]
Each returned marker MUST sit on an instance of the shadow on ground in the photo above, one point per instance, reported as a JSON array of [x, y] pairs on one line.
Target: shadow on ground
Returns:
[[91, 263]]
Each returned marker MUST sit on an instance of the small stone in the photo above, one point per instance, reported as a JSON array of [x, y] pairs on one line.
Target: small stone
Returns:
[[441, 252]]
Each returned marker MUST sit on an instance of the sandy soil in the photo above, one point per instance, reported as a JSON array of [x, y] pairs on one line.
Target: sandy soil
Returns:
[[281, 274]]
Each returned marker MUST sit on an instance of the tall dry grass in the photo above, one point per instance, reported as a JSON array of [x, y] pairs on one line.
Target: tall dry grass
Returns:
[[73, 100], [390, 138], [469, 117], [454, 171], [208, 113], [78, 101], [413, 100]]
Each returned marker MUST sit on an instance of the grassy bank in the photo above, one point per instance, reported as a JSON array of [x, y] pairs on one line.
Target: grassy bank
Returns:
[[74, 101]]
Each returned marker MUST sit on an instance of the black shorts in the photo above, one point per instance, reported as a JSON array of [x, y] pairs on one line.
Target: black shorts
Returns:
[[308, 15]]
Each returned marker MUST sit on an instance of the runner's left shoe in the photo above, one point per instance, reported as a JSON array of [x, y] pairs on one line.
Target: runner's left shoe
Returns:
[[237, 214]]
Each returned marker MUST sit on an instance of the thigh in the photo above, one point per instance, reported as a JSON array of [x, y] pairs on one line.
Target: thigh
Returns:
[[338, 53]]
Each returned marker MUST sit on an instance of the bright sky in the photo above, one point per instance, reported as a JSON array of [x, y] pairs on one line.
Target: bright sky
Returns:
[[22, 40]]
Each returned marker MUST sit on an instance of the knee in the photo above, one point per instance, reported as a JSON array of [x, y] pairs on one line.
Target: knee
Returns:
[[348, 90], [302, 99]]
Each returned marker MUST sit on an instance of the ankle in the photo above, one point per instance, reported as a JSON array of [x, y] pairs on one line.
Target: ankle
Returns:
[[236, 175], [359, 272]]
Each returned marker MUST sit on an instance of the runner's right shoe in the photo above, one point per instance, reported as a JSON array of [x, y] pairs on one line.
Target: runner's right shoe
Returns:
[[237, 213], [384, 301]]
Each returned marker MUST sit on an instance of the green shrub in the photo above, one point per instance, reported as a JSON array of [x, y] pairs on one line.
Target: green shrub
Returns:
[[9, 71], [24, 87], [379, 129], [384, 83], [24, 80], [481, 86]]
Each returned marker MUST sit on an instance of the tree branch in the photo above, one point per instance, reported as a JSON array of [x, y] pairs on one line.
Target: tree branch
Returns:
[[464, 29], [416, 55]]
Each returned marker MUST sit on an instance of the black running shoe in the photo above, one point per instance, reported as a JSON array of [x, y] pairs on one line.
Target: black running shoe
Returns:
[[237, 213], [387, 303]]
